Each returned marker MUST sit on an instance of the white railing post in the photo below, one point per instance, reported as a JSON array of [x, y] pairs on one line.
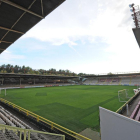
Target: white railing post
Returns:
[[24, 134], [20, 134], [29, 132], [63, 137], [5, 91]]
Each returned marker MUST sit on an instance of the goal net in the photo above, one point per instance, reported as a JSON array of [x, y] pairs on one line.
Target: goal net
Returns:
[[4, 90], [123, 95]]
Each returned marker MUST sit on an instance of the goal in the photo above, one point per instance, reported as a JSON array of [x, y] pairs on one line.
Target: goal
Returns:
[[3, 89], [123, 95]]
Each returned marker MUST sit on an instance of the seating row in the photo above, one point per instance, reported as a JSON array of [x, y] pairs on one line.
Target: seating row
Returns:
[[136, 113], [8, 118]]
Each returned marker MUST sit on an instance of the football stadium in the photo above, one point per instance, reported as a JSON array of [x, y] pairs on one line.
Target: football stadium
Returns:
[[62, 105]]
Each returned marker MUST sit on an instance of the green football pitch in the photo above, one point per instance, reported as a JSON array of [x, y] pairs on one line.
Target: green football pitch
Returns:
[[74, 107]]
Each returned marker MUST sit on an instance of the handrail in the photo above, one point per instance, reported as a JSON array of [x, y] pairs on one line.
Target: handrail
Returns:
[[126, 102], [29, 131], [52, 124]]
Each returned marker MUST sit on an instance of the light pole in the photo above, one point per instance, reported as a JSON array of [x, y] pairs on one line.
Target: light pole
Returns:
[[136, 14]]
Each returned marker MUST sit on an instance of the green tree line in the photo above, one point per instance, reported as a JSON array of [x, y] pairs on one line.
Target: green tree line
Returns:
[[28, 70]]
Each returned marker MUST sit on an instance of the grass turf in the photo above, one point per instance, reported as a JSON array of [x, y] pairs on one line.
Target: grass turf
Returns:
[[74, 107]]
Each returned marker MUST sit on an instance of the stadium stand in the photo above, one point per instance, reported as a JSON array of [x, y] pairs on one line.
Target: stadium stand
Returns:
[[6, 118], [91, 81], [135, 80], [113, 81], [125, 80], [87, 82], [29, 79], [94, 81], [103, 81], [136, 113]]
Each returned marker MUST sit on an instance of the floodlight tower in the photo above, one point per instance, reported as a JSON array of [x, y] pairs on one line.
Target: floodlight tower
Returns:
[[136, 14]]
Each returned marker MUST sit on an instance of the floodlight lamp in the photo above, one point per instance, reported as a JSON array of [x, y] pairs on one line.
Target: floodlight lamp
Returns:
[[132, 15], [131, 5], [131, 10], [135, 18], [136, 21], [137, 14]]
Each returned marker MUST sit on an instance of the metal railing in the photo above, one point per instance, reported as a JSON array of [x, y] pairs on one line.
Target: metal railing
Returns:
[[46, 121], [15, 133]]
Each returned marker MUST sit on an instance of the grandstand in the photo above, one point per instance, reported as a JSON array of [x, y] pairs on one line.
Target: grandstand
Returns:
[[135, 80], [116, 79], [125, 80], [21, 80], [7, 118], [91, 81]]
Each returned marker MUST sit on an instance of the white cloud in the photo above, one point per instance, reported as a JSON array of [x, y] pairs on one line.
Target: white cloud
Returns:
[[76, 19], [9, 57], [75, 50], [85, 20]]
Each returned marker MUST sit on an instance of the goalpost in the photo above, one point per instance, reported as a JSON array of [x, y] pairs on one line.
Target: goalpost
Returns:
[[3, 89], [123, 95]]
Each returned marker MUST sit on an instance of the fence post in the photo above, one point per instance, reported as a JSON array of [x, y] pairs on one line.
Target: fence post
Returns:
[[37, 119], [52, 126], [63, 137], [27, 113], [29, 134], [24, 134], [20, 134]]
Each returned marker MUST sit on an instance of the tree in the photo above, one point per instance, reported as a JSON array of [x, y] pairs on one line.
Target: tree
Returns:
[[110, 73], [23, 69]]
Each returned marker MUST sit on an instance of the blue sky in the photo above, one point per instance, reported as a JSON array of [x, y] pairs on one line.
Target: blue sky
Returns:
[[82, 36]]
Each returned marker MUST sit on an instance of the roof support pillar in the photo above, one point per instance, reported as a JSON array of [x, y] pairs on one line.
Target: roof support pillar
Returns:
[[20, 81], [2, 81], [34, 81]]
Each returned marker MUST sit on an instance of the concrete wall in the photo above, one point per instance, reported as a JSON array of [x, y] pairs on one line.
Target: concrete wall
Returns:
[[117, 127]]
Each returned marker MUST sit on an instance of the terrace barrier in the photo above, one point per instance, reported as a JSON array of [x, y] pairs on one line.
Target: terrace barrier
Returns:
[[19, 133], [38, 118]]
